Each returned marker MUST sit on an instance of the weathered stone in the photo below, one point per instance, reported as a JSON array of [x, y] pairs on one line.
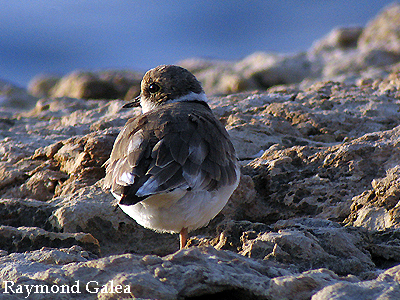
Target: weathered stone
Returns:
[[306, 243], [301, 286], [206, 272], [318, 197], [390, 85], [267, 70], [338, 38], [384, 247], [90, 209], [353, 62], [102, 85], [379, 208], [383, 31], [386, 286], [344, 54], [82, 158], [40, 85], [13, 97], [25, 212], [257, 71], [23, 239], [322, 181], [219, 77]]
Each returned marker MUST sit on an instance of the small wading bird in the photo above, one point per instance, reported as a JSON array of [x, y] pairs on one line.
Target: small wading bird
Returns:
[[173, 168]]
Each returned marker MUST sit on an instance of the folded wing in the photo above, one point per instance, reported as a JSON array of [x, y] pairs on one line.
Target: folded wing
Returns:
[[179, 146]]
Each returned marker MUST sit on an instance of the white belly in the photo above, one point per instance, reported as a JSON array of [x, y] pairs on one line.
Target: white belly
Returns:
[[179, 209]]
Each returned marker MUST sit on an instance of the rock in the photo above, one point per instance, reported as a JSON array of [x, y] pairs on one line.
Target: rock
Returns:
[[207, 272], [267, 70], [23, 239], [390, 85], [46, 150], [257, 71], [302, 286], [344, 54], [318, 179], [306, 243], [297, 179], [101, 85], [377, 44], [379, 208], [25, 212], [218, 77], [82, 159], [315, 216], [90, 209], [338, 38], [244, 202], [41, 85], [13, 97], [50, 170], [385, 287], [384, 247], [383, 32], [323, 113], [353, 62]]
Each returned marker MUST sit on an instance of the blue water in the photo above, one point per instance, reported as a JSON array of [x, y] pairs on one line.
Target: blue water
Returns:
[[59, 36]]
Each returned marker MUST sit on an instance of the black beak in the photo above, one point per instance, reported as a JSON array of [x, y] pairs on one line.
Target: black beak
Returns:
[[134, 103]]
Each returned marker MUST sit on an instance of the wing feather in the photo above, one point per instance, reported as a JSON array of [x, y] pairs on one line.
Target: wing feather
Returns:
[[177, 146]]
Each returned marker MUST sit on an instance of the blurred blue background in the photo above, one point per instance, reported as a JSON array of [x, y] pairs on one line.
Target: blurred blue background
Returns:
[[59, 36]]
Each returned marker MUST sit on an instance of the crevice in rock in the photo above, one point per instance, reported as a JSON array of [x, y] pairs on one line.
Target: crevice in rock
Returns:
[[231, 294]]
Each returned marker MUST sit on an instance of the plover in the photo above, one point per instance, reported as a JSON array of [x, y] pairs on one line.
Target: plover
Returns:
[[173, 168]]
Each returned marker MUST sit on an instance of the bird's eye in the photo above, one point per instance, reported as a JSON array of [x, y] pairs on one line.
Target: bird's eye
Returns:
[[154, 88]]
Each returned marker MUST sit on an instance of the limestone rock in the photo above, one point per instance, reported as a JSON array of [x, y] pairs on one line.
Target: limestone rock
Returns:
[[316, 213], [301, 286], [218, 77], [40, 85], [25, 212], [322, 181], [13, 97], [325, 112], [379, 208], [353, 62], [257, 71], [23, 239], [267, 69], [338, 38], [307, 243], [207, 272], [386, 286], [343, 54], [390, 84], [101, 85], [90, 209], [384, 247], [383, 31]]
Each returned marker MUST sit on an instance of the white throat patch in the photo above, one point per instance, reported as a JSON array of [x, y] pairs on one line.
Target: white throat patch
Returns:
[[190, 97], [148, 105]]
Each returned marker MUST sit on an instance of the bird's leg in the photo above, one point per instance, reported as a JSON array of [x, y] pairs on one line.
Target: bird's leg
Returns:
[[183, 235]]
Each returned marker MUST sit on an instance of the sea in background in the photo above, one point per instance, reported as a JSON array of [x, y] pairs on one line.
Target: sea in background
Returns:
[[59, 36]]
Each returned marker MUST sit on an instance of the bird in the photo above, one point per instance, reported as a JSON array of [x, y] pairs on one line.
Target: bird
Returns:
[[173, 168]]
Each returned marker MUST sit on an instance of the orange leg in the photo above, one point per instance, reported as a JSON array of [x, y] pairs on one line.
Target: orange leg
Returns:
[[183, 235]]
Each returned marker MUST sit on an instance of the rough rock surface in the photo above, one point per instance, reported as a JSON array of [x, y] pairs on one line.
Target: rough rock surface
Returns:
[[383, 31], [316, 214], [12, 96], [88, 85], [342, 54]]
